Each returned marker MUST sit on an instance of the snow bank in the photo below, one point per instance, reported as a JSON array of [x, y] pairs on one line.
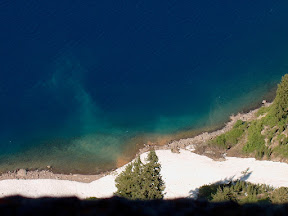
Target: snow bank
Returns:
[[183, 174]]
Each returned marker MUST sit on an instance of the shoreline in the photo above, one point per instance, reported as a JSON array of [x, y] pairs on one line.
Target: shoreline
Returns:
[[189, 144], [193, 142], [183, 170], [183, 174]]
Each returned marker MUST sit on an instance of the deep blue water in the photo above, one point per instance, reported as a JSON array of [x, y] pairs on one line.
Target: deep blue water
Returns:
[[80, 78]]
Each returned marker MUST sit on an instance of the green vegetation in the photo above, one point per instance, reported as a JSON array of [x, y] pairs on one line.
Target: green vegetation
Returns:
[[92, 198], [243, 192], [281, 150], [255, 141], [265, 136], [279, 195], [279, 108], [232, 137], [141, 181], [263, 111], [277, 113]]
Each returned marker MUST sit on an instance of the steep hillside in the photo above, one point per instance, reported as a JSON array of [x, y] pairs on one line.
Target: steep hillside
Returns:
[[266, 137]]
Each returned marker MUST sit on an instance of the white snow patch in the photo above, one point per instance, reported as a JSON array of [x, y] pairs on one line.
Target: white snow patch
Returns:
[[183, 174]]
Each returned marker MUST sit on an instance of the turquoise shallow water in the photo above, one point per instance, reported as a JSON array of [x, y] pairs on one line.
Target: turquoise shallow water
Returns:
[[81, 80]]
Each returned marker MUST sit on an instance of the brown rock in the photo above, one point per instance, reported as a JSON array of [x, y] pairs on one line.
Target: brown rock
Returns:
[[21, 173], [175, 150]]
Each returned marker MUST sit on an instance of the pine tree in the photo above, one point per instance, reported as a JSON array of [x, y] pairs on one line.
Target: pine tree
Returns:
[[141, 181], [137, 186], [280, 105], [124, 182], [153, 183]]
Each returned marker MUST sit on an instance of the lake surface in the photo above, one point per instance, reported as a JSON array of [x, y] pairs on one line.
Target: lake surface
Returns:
[[81, 81]]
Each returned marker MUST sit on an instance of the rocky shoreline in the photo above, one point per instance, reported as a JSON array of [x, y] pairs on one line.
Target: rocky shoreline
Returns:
[[192, 144], [48, 174]]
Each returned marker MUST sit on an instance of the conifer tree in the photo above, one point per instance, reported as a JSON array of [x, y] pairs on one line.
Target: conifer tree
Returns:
[[137, 186], [129, 181], [280, 105], [153, 184], [141, 181], [124, 182]]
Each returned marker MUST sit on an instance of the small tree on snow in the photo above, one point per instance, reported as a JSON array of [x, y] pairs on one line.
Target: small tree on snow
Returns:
[[141, 181], [153, 184]]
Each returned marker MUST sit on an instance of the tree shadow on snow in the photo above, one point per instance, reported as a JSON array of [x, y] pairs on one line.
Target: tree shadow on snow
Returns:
[[245, 176]]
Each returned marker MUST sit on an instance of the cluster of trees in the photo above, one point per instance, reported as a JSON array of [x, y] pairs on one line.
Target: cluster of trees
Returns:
[[243, 192], [141, 181]]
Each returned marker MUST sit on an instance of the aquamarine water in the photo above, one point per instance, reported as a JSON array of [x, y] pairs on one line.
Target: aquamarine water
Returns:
[[81, 81]]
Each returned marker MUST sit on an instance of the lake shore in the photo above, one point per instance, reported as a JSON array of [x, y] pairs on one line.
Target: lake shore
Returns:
[[184, 170], [183, 174], [193, 144]]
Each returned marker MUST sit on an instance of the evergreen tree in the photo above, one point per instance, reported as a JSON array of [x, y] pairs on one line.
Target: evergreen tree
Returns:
[[124, 182], [280, 105], [141, 181], [153, 184], [129, 181], [137, 186]]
